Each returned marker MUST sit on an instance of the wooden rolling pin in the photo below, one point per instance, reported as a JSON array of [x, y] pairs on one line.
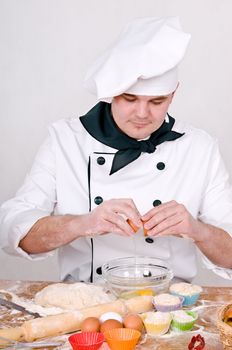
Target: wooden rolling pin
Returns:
[[70, 321]]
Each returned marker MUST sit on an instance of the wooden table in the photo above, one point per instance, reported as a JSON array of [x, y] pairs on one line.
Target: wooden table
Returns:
[[211, 300]]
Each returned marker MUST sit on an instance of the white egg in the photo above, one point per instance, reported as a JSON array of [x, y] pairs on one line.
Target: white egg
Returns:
[[110, 316]]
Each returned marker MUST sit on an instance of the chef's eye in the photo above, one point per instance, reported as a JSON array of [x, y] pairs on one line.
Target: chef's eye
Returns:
[[157, 102], [129, 98]]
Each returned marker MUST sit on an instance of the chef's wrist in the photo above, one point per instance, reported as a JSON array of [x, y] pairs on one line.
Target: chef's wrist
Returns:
[[80, 225], [202, 232]]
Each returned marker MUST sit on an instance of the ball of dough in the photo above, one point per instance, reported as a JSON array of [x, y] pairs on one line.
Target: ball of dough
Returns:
[[72, 295]]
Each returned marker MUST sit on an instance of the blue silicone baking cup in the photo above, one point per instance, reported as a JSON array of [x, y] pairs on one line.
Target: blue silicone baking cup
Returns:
[[189, 300]]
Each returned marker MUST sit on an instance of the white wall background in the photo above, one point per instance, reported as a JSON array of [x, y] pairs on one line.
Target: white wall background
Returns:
[[45, 49]]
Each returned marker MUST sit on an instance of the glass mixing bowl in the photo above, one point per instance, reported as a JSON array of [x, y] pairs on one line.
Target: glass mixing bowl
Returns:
[[137, 275]]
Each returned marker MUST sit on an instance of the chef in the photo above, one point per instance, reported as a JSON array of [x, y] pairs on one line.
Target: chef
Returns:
[[127, 158]]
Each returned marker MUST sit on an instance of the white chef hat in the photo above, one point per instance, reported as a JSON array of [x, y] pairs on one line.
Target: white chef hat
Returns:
[[143, 61]]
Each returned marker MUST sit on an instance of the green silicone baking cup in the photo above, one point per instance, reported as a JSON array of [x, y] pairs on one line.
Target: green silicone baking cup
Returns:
[[185, 326]]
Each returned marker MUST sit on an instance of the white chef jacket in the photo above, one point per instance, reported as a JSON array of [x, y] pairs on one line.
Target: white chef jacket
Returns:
[[70, 175]]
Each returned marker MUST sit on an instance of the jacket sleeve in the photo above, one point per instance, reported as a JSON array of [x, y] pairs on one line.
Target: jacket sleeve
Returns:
[[216, 208], [34, 200], [220, 271]]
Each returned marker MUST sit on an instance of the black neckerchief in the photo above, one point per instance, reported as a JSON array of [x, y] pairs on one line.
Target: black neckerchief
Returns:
[[100, 124]]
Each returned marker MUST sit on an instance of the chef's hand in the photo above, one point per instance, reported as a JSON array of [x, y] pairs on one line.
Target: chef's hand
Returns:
[[171, 218], [111, 216]]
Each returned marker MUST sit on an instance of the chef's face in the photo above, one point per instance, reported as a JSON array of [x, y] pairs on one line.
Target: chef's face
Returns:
[[138, 116]]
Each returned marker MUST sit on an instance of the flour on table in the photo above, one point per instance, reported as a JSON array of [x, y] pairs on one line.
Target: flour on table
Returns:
[[72, 296], [31, 306]]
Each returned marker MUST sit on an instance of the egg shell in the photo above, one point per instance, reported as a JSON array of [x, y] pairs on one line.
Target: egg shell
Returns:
[[110, 324], [132, 225], [110, 316], [144, 229], [133, 321], [135, 228], [90, 324]]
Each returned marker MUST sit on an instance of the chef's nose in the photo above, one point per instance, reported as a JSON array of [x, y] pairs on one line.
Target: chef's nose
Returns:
[[142, 109]]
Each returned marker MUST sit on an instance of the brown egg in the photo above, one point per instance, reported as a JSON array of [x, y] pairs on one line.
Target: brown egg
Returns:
[[133, 321], [110, 324], [90, 324]]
